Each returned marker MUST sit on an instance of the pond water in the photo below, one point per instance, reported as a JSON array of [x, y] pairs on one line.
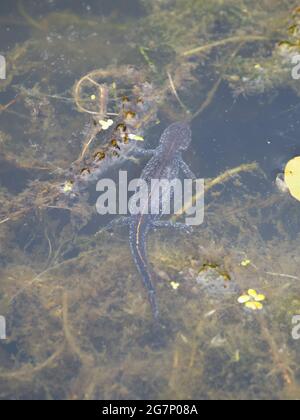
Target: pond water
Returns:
[[75, 320]]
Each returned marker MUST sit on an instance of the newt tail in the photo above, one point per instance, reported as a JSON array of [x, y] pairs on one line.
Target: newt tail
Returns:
[[138, 250]]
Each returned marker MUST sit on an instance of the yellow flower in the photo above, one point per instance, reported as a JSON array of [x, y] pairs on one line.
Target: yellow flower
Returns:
[[175, 285], [106, 124], [252, 300], [68, 187], [258, 67]]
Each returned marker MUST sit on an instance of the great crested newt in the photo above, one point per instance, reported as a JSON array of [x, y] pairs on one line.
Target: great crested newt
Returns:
[[166, 163]]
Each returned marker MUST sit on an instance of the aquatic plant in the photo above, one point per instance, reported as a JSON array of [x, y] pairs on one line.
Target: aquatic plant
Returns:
[[77, 291], [252, 300]]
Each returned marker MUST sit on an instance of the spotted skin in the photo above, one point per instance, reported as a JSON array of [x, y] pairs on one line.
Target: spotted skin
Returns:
[[166, 163]]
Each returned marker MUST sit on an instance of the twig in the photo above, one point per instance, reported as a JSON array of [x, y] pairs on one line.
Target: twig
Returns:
[[147, 59], [226, 176], [38, 277], [173, 88], [87, 144], [222, 42], [286, 276], [103, 94], [5, 107], [32, 22], [68, 334], [27, 371], [5, 220], [209, 98], [215, 87], [285, 371]]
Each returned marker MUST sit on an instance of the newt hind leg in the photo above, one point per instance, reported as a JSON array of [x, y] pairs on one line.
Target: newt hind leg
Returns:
[[121, 221], [158, 224]]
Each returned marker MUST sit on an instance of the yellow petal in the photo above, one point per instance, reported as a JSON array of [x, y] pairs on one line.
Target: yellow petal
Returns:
[[244, 299], [259, 306], [252, 293], [292, 177], [245, 263], [260, 298], [252, 306]]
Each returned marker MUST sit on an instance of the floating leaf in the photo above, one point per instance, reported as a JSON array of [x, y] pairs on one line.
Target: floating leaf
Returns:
[[292, 177]]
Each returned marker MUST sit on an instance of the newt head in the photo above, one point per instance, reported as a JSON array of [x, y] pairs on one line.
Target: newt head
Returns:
[[178, 134]]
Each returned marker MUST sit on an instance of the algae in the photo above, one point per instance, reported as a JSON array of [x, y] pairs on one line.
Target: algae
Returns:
[[79, 326]]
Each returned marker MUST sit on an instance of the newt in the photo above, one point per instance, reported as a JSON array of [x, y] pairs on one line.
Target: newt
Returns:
[[166, 163]]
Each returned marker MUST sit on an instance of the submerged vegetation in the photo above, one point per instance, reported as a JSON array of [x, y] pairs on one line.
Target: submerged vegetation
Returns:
[[74, 104]]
